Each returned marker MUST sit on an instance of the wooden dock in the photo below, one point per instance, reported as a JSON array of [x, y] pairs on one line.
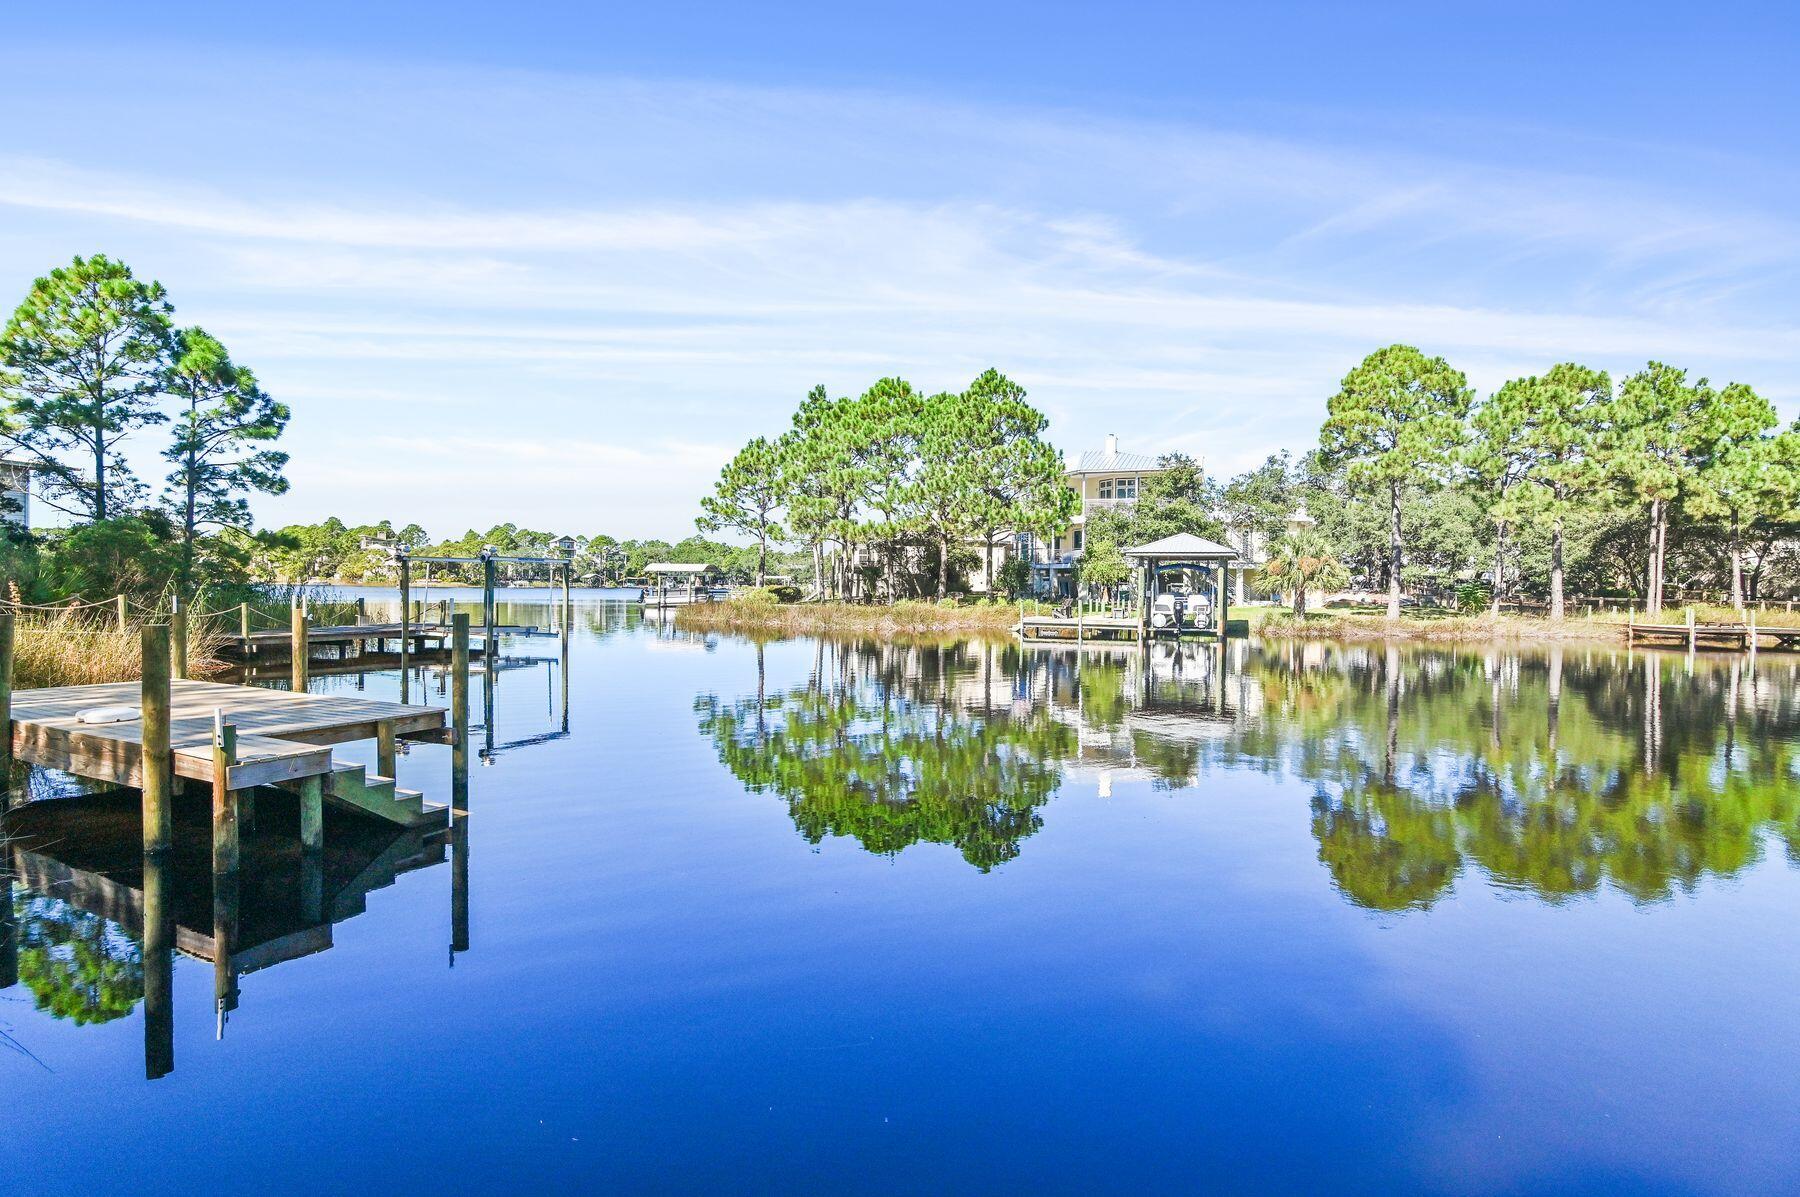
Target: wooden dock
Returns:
[[365, 638], [1078, 629], [164, 736], [282, 739], [1739, 637]]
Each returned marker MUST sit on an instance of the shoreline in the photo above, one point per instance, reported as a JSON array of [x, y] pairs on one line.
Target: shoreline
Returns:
[[915, 618]]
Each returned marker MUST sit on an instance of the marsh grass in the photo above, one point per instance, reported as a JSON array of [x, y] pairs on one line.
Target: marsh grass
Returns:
[[758, 612], [1435, 625], [75, 648]]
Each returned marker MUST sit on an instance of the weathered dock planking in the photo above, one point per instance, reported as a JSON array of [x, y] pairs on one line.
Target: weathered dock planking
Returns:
[[280, 736], [416, 635], [1743, 637], [1078, 629]]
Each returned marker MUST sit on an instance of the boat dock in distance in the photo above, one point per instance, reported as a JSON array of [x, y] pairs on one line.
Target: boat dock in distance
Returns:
[[1744, 637], [364, 639]]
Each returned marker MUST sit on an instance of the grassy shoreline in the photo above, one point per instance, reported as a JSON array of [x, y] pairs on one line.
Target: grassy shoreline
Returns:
[[1490, 629], [750, 613], [754, 614]]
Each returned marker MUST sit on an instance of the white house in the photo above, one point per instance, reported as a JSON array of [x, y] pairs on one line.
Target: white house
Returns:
[[1106, 478], [15, 485]]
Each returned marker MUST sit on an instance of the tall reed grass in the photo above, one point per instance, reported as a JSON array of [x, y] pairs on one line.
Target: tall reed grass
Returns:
[[78, 648]]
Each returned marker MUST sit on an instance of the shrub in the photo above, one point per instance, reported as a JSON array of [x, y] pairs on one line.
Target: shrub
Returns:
[[756, 598], [1474, 596]]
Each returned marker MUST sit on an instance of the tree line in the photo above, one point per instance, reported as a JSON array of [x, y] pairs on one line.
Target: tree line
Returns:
[[1570, 459], [884, 491], [335, 551], [90, 361], [1557, 480]]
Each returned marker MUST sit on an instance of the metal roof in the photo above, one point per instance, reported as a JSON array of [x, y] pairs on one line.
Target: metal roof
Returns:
[[1183, 544], [1095, 461], [667, 567]]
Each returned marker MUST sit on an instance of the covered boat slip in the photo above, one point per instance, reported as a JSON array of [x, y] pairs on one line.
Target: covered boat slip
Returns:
[[677, 584], [1174, 575]]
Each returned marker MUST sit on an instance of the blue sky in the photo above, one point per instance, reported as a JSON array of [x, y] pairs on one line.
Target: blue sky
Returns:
[[553, 263]]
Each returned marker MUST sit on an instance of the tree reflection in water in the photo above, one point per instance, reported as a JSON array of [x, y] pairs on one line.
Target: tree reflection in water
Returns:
[[875, 747], [77, 965], [1550, 773]]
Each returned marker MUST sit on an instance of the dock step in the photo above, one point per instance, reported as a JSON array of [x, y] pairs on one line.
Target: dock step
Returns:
[[354, 787]]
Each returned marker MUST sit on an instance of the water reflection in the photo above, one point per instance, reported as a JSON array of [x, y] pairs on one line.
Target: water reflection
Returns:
[[891, 746], [1549, 774], [93, 925]]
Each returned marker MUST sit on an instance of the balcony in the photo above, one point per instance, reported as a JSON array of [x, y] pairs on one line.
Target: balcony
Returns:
[[1088, 505]]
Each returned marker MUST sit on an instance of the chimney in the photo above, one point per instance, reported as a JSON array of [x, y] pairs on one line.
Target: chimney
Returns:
[[1112, 445]]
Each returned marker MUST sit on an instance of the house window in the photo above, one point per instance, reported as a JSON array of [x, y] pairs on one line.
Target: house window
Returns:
[[1106, 488], [1078, 540], [1056, 547], [1125, 488]]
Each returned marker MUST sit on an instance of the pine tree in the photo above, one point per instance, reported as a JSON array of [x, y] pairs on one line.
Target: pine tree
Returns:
[[746, 498], [224, 421], [82, 364], [1397, 419]]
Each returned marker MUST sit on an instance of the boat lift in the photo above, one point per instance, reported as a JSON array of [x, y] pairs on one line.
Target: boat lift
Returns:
[[489, 559]]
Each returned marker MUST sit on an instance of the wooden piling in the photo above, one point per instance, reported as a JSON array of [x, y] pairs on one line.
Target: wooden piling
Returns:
[[159, 761], [489, 572], [386, 758], [1692, 636], [6, 729], [301, 650], [405, 629], [178, 640], [1222, 599], [120, 601], [225, 799], [459, 701], [312, 813], [244, 628]]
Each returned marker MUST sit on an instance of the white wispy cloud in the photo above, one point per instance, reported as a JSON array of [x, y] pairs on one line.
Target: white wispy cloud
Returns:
[[571, 271]]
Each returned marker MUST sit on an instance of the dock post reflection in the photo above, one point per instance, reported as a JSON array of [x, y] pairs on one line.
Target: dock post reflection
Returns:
[[568, 625], [9, 928], [459, 783], [159, 969], [225, 931]]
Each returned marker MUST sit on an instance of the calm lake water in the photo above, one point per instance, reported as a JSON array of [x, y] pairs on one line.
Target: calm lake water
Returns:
[[825, 916]]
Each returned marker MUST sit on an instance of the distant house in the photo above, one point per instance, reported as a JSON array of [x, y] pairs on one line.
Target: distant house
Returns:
[[1108, 478], [15, 485], [1104, 479]]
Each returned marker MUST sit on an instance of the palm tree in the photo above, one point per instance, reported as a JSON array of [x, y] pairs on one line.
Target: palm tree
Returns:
[[1302, 559]]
